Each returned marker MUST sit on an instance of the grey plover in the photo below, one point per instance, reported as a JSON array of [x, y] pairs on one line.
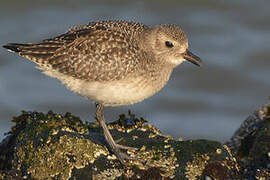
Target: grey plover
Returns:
[[112, 63]]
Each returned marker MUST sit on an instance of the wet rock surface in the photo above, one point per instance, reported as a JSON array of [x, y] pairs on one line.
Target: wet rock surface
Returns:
[[251, 145], [55, 146]]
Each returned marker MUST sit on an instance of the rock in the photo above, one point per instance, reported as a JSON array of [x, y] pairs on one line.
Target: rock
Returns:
[[251, 145], [55, 146]]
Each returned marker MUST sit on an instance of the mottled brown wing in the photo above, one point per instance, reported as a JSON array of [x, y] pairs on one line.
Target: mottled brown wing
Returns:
[[102, 55], [41, 52]]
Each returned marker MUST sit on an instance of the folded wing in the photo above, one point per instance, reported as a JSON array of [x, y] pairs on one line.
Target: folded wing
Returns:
[[94, 54]]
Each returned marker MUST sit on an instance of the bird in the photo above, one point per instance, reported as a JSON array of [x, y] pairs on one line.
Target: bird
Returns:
[[111, 62]]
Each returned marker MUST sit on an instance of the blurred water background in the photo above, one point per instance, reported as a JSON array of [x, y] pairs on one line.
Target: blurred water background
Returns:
[[232, 37]]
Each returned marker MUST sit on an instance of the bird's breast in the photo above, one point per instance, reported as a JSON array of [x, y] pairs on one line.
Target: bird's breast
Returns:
[[126, 91]]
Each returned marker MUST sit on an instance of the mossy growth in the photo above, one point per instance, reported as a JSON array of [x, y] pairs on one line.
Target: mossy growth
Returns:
[[55, 146], [51, 145]]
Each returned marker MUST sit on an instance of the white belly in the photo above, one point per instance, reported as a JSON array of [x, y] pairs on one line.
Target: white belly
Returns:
[[114, 93]]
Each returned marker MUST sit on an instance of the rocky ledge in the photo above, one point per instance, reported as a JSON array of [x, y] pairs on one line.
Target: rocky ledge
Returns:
[[55, 146]]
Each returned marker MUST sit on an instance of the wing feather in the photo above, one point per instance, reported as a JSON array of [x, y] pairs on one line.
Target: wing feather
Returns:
[[98, 51], [103, 55]]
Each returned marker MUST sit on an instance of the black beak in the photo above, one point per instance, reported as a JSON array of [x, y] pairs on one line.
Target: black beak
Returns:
[[189, 56]]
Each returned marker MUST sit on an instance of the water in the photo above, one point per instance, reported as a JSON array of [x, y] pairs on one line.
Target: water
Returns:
[[210, 102]]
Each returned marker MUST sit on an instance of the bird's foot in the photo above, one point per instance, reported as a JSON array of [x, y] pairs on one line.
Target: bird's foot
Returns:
[[121, 156], [116, 148], [120, 146]]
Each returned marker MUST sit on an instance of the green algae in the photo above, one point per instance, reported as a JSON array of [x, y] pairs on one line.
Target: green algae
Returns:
[[55, 146], [52, 145]]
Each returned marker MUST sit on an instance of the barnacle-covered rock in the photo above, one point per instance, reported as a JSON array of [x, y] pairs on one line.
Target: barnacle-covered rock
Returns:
[[55, 146]]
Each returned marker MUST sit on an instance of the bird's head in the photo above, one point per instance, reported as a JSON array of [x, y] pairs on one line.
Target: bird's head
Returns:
[[170, 44]]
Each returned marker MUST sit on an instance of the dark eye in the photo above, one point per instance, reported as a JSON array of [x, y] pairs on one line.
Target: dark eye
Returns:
[[169, 44]]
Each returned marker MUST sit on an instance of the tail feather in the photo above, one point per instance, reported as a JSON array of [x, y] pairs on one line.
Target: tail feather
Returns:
[[34, 48], [38, 53], [13, 47]]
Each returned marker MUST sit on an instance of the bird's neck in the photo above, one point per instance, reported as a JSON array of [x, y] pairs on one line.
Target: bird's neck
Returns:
[[145, 40]]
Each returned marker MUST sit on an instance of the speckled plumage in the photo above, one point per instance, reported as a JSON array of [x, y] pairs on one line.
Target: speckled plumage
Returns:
[[113, 63], [110, 62]]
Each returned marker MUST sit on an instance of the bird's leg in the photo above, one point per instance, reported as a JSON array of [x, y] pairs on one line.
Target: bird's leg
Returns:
[[115, 147]]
